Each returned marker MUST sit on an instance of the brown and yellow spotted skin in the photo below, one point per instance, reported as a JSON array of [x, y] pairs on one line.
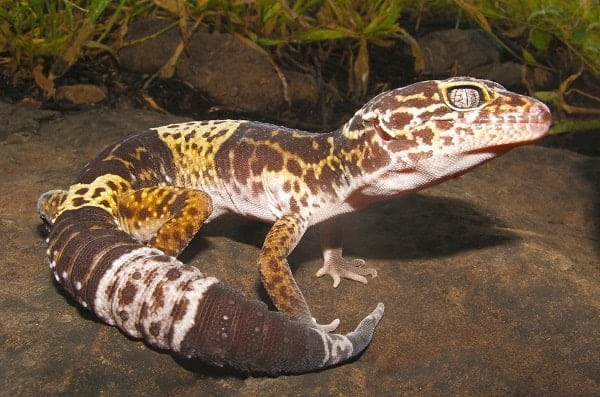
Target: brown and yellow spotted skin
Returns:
[[148, 215], [114, 233]]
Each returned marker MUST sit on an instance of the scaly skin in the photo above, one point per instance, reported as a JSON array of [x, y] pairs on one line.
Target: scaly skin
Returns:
[[115, 233]]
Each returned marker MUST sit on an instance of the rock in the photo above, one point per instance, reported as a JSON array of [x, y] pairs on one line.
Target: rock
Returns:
[[23, 120], [234, 75], [80, 94], [491, 283], [457, 50], [469, 52], [506, 73]]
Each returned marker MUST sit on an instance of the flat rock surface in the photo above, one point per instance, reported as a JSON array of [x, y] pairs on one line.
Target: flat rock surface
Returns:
[[491, 283]]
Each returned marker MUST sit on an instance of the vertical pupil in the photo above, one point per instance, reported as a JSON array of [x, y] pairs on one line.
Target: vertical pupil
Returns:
[[464, 98]]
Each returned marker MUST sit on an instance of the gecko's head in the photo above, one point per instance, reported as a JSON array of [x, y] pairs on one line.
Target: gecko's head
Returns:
[[453, 117], [427, 132]]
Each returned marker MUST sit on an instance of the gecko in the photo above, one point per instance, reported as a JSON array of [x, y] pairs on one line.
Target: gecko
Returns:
[[114, 235]]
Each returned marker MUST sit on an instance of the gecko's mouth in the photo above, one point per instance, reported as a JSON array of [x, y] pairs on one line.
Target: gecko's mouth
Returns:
[[501, 148], [519, 133]]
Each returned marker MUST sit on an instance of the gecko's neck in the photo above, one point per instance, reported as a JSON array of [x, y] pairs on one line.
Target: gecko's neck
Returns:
[[363, 160]]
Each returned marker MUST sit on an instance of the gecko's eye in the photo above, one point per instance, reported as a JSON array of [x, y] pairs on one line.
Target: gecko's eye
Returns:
[[465, 97]]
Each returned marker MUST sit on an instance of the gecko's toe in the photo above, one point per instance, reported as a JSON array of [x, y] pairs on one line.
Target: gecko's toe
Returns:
[[353, 269], [332, 326]]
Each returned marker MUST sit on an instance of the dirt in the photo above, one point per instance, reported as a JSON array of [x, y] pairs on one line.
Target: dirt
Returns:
[[491, 281]]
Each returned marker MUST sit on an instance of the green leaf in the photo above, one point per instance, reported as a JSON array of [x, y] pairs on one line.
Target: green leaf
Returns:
[[267, 42], [560, 127], [301, 6], [540, 39], [579, 35], [96, 9], [317, 34], [384, 22], [528, 56], [272, 11]]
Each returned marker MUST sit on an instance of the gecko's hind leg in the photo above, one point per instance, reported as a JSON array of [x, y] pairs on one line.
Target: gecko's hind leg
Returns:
[[164, 217]]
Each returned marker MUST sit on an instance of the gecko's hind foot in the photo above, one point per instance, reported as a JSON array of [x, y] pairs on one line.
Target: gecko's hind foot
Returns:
[[338, 267]]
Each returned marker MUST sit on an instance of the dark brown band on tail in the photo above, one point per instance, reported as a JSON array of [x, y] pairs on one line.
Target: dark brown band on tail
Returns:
[[173, 306]]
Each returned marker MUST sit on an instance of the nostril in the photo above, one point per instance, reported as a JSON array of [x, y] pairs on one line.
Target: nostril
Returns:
[[540, 111]]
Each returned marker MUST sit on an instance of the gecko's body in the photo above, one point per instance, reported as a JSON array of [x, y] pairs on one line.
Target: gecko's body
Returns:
[[116, 232]]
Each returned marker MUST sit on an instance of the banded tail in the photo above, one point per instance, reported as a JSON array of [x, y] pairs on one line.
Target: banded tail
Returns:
[[172, 306]]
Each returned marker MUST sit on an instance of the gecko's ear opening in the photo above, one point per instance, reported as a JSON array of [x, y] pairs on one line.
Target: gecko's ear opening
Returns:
[[383, 129], [380, 131]]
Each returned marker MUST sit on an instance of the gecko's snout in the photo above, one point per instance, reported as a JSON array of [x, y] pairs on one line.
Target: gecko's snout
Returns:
[[540, 115], [540, 109]]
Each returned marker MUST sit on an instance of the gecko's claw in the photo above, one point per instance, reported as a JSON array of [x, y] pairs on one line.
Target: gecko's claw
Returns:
[[338, 267]]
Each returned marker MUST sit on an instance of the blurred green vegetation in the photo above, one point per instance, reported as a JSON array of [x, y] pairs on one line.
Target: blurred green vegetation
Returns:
[[43, 38], [575, 24]]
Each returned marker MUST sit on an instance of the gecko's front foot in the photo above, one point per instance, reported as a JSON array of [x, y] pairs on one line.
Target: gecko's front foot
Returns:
[[337, 267]]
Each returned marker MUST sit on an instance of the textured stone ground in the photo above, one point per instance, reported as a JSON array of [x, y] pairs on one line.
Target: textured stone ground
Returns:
[[491, 282]]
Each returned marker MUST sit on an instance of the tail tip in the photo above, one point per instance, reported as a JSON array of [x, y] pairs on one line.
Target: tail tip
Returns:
[[362, 335]]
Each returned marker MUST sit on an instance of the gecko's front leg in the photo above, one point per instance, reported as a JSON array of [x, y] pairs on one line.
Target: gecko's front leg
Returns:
[[275, 271], [334, 263]]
